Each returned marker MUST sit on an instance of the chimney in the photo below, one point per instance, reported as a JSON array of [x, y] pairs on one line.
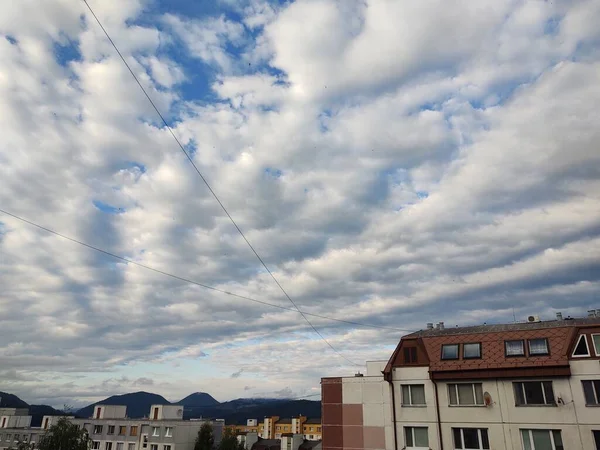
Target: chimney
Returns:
[[359, 375], [559, 316], [598, 313], [592, 313], [441, 325], [437, 326], [430, 325]]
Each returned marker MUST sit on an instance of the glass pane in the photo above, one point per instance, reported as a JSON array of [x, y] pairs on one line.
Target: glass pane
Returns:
[[558, 445], [597, 439], [421, 437], [405, 395], [450, 351], [596, 339], [471, 437], [479, 394], [538, 347], [418, 394], [485, 442], [514, 348], [457, 438], [471, 351], [452, 393], [541, 440], [519, 398], [582, 348], [549, 392], [526, 442], [465, 394], [408, 436], [597, 386], [533, 393], [588, 392]]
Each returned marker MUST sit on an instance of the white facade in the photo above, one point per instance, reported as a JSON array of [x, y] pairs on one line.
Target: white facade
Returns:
[[505, 422]]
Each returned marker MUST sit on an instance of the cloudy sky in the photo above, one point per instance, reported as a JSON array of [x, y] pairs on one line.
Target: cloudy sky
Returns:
[[394, 162]]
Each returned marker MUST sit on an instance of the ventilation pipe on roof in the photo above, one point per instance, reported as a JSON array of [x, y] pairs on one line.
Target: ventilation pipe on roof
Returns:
[[598, 313], [592, 313], [430, 325], [559, 316], [437, 326], [441, 325]]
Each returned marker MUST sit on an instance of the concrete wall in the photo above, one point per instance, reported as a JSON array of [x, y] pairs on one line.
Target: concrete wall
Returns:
[[110, 412]]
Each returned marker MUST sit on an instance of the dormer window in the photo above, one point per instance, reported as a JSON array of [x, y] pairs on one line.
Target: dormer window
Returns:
[[581, 349], [450, 351]]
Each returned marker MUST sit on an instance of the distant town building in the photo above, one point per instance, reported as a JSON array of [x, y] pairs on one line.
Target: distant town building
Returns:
[[274, 427], [110, 429], [527, 386]]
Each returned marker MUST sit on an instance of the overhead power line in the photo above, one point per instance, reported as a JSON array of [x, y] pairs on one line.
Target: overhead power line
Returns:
[[196, 283], [190, 159]]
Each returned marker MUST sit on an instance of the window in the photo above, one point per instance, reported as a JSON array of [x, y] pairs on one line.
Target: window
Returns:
[[514, 348], [450, 351], [111, 429], [108, 446], [466, 394], [131, 446], [538, 347], [166, 447], [476, 438], [155, 431], [119, 446], [415, 437], [8, 437], [97, 429], [541, 440], [412, 395], [123, 430], [169, 432], [597, 439], [17, 437], [534, 393], [133, 431], [472, 351], [96, 445], [581, 349], [591, 390], [410, 355], [596, 342], [154, 447]]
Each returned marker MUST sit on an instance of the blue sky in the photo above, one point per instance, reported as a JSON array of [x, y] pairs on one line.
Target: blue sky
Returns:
[[393, 162]]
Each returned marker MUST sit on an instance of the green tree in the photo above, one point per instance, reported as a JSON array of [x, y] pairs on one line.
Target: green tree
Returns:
[[64, 436], [229, 441], [22, 446], [206, 438]]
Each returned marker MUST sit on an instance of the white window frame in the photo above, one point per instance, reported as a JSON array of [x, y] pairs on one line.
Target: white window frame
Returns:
[[98, 427], [593, 389], [122, 444], [584, 337], [410, 402], [596, 350], [153, 446], [96, 445], [530, 435], [169, 432], [462, 437], [167, 447], [155, 432], [131, 446], [108, 446], [455, 385], [522, 385]]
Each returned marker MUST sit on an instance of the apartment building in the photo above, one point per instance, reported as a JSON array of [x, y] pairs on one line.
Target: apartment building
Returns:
[[274, 427], [527, 386], [110, 429]]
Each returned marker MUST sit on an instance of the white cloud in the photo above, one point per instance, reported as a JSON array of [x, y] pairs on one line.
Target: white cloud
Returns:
[[393, 162]]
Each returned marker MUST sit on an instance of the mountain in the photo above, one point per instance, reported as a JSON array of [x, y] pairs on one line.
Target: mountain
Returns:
[[198, 399], [138, 404], [11, 401], [35, 411]]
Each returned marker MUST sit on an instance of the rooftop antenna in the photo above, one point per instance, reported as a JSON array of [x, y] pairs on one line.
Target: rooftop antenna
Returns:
[[514, 316]]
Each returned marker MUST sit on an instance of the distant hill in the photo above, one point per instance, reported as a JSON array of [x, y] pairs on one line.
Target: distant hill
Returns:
[[138, 404], [36, 411], [198, 399]]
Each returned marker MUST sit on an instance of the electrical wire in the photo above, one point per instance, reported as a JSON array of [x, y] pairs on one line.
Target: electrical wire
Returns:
[[190, 159], [187, 280]]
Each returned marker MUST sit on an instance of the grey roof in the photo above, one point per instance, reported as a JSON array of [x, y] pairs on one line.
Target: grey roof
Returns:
[[313, 421], [498, 328], [307, 445]]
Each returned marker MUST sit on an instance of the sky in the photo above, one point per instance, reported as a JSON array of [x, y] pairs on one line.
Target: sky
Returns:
[[393, 162]]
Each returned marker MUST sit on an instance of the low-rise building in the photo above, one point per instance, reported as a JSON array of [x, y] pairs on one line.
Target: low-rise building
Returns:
[[110, 429], [274, 427], [526, 386]]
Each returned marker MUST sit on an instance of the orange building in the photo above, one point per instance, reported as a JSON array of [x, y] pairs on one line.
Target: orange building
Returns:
[[274, 427]]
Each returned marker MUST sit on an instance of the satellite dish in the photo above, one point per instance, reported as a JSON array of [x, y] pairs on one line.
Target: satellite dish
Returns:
[[487, 399]]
